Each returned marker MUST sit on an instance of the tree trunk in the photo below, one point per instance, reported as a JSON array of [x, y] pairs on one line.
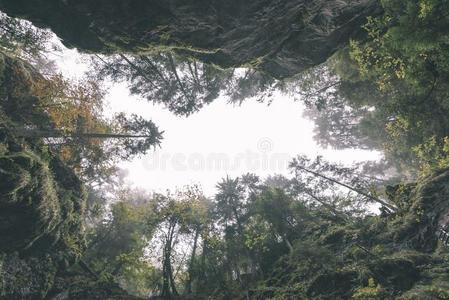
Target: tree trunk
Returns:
[[165, 278], [38, 133], [172, 279], [337, 213], [391, 207], [178, 80], [169, 288], [192, 260], [156, 69], [87, 269], [141, 72], [287, 242], [166, 294]]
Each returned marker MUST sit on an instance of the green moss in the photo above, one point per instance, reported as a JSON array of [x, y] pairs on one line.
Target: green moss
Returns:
[[429, 292], [29, 278], [371, 292], [80, 287]]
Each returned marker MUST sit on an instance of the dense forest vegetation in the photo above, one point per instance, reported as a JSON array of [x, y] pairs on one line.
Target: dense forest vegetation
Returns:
[[371, 74]]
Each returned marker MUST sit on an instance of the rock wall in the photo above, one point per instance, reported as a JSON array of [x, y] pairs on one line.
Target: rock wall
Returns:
[[280, 37], [41, 218]]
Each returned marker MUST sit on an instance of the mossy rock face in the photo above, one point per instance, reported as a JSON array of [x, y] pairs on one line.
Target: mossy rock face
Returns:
[[81, 287], [34, 205], [29, 278], [41, 200], [399, 273], [29, 205], [281, 38], [381, 257], [439, 291], [17, 81], [335, 285], [38, 278], [41, 218], [422, 207]]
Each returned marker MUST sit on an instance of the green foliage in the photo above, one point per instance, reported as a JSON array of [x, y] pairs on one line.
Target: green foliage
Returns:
[[116, 249], [407, 43], [432, 155], [183, 85], [388, 90], [436, 290]]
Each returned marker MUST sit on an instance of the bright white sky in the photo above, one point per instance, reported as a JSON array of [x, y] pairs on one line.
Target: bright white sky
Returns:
[[218, 141]]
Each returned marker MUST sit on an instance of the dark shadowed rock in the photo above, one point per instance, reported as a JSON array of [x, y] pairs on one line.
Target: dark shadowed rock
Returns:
[[424, 208], [281, 37]]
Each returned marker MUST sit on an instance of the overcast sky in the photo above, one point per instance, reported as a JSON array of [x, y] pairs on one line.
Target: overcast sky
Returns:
[[218, 141]]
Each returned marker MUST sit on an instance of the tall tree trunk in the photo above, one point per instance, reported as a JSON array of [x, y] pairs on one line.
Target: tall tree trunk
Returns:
[[139, 70], [165, 277], [169, 286], [287, 242], [337, 213], [192, 260], [172, 279], [167, 274], [87, 269], [38, 133], [156, 69], [389, 206], [178, 80]]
